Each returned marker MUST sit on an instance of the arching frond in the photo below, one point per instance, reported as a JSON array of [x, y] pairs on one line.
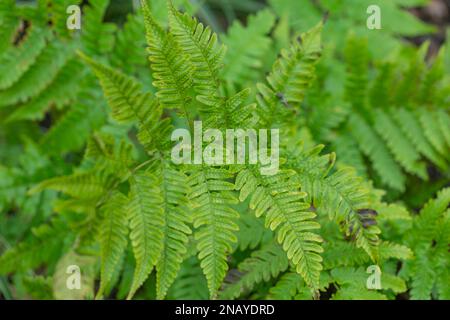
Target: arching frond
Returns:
[[278, 198]]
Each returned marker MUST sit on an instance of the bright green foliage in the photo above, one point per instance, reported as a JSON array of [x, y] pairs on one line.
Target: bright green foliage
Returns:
[[86, 177]]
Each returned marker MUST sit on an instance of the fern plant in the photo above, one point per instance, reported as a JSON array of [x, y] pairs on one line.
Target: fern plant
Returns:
[[140, 226]]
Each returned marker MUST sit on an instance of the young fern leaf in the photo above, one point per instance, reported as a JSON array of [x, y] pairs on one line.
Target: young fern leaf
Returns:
[[279, 199], [146, 224], [202, 47], [214, 221], [172, 71], [113, 238]]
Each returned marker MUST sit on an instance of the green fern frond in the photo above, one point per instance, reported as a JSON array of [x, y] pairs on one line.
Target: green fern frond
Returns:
[[214, 221], [190, 283], [279, 199], [172, 71], [146, 222], [247, 47], [18, 59], [87, 185], [225, 113], [201, 45], [113, 237], [59, 93], [129, 103], [399, 145], [263, 265], [97, 38], [342, 195], [128, 53], [176, 231], [287, 287], [374, 148], [37, 78], [352, 285], [357, 63], [429, 239], [291, 75], [411, 127], [73, 129], [432, 131], [252, 232], [48, 241]]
